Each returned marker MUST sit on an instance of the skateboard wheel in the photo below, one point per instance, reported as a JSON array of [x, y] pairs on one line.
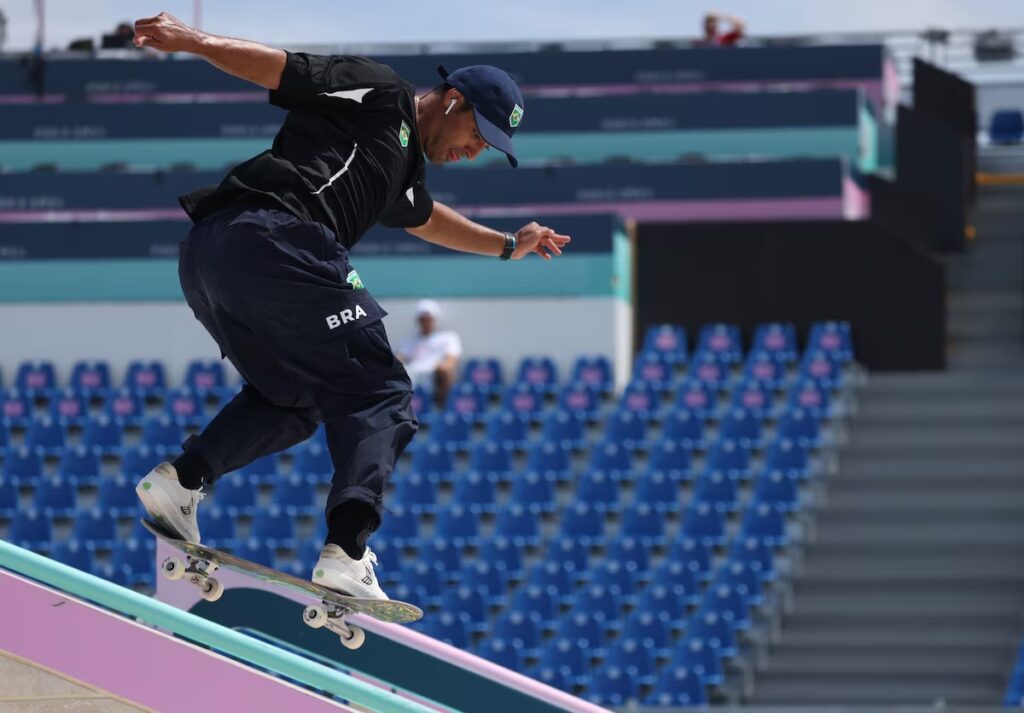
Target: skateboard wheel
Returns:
[[314, 616], [173, 568], [355, 638], [211, 590]]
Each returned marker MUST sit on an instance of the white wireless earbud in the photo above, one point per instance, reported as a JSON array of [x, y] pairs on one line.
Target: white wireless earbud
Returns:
[[450, 105]]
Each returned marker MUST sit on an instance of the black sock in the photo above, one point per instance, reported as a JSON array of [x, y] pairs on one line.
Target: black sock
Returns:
[[193, 470], [349, 525]]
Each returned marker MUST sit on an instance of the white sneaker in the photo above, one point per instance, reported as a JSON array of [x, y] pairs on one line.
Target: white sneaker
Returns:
[[336, 570], [169, 503]]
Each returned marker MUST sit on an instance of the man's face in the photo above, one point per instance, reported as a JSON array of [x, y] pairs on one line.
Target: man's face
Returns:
[[710, 26], [426, 322], [453, 136]]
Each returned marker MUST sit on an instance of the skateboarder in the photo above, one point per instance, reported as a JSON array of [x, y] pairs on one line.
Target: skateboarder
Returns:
[[265, 269]]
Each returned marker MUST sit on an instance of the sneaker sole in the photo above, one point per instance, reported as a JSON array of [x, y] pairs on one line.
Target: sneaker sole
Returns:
[[156, 503]]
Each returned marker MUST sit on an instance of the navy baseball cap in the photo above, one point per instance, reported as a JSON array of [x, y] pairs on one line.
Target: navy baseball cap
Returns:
[[497, 103]]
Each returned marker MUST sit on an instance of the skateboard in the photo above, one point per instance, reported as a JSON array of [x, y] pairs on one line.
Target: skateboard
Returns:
[[331, 613]]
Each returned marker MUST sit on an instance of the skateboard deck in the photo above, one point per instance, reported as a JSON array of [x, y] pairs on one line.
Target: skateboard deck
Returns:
[[332, 612]]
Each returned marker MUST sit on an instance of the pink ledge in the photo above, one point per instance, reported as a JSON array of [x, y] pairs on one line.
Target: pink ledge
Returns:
[[135, 662]]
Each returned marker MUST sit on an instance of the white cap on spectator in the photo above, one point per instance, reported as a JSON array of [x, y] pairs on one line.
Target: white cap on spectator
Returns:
[[428, 307]]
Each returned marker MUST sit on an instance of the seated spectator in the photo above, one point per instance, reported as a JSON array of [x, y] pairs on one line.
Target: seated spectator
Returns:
[[712, 26], [432, 356]]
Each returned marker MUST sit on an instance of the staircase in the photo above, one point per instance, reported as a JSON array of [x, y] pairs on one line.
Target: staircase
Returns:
[[912, 590]]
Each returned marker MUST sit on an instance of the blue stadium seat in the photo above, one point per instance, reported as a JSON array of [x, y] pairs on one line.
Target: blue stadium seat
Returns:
[[23, 466], [705, 522], [715, 628], [684, 427], [35, 378], [117, 496], [90, 377], [15, 409], [762, 368], [56, 497], [717, 488], [594, 371], [756, 555], [668, 340], [813, 398], [691, 549], [417, 492], [5, 440], [138, 461], [488, 578], [557, 578], [672, 457], [651, 629], [504, 553], [450, 430], [677, 687], [583, 630], [484, 372], [800, 426], [654, 369], [74, 554], [823, 369], [311, 460], [627, 428], [641, 399], [533, 491], [600, 604], [80, 466], [584, 522], [8, 499], [448, 627], [145, 378], [434, 461], [566, 428], [521, 629], [161, 432], [184, 407], [468, 401], [743, 427], [730, 456], [1006, 127], [776, 341], [134, 562], [459, 525], [697, 398], [237, 494], [612, 457], [95, 528], [469, 603], [275, 526], [729, 602], [68, 408], [45, 435], [644, 522], [424, 579], [539, 371], [633, 658], [518, 523], [682, 579], [255, 550], [706, 370], [506, 429], [660, 490], [621, 577], [721, 341], [742, 579], [124, 407], [493, 460], [501, 652], [422, 402], [754, 398], [550, 459], [581, 400], [566, 657], [663, 599], [836, 338], [445, 554], [702, 660], [527, 401], [399, 527], [297, 494], [598, 489], [103, 435], [766, 523], [571, 551], [531, 598], [552, 677], [777, 488], [204, 376], [31, 529]]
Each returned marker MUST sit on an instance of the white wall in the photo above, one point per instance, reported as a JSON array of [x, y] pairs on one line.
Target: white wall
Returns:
[[119, 332]]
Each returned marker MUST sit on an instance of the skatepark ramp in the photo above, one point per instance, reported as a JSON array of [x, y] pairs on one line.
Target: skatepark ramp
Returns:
[[112, 649]]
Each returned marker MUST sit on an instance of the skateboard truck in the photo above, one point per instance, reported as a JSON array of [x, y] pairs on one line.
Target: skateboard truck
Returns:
[[333, 617]]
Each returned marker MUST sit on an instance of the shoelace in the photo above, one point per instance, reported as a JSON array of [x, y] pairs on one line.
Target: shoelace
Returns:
[[371, 555]]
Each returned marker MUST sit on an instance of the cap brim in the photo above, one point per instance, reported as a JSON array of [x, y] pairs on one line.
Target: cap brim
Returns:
[[495, 137]]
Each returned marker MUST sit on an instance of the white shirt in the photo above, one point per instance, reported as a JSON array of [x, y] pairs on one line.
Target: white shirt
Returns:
[[424, 354]]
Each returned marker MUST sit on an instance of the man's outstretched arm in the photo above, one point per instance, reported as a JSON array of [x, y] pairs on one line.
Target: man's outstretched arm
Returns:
[[448, 228], [247, 60]]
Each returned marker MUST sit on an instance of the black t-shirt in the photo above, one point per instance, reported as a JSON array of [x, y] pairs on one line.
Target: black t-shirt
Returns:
[[348, 154]]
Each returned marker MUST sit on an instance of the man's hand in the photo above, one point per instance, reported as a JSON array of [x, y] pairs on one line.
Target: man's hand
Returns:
[[534, 238], [167, 33]]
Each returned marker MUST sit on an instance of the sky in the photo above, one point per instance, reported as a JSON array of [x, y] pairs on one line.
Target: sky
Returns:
[[311, 22]]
